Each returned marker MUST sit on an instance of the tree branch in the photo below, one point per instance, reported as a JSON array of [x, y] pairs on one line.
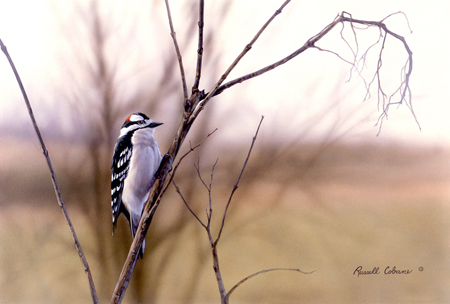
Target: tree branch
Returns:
[[175, 185], [386, 101], [403, 89], [200, 46], [258, 273], [177, 189], [177, 49], [53, 176], [236, 185]]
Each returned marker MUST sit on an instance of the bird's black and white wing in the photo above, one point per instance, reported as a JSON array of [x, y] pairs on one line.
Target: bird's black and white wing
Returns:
[[120, 165]]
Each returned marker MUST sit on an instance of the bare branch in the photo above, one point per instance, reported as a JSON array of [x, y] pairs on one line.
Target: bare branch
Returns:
[[182, 157], [216, 267], [197, 169], [53, 176], [209, 190], [207, 227], [258, 273], [404, 89], [177, 49], [237, 182], [187, 205], [336, 54], [191, 149]]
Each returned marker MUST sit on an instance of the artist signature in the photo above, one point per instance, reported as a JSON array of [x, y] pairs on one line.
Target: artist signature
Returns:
[[388, 270]]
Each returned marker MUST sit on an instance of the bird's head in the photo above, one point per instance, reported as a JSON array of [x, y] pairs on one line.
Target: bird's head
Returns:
[[137, 121]]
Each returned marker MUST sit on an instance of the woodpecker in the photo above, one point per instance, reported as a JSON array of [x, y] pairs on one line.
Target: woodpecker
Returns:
[[134, 164]]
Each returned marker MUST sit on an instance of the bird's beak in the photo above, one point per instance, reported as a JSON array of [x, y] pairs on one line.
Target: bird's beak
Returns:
[[154, 124]]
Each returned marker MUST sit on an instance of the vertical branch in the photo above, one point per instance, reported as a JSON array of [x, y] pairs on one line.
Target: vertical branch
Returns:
[[53, 176], [200, 46], [222, 291]]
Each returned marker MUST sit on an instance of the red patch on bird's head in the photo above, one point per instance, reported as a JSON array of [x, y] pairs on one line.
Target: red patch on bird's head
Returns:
[[128, 118]]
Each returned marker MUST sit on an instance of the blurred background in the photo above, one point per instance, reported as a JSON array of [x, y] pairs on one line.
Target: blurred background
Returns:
[[322, 192]]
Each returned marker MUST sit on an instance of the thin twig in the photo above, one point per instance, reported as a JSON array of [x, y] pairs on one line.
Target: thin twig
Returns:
[[237, 182], [191, 149], [258, 273], [197, 169], [53, 176], [171, 180], [187, 205], [336, 54], [177, 49], [198, 172], [210, 188]]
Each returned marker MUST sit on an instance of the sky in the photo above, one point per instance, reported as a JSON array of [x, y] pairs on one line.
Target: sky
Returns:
[[290, 97]]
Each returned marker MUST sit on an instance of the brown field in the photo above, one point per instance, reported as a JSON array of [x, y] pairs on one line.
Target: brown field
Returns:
[[353, 206]]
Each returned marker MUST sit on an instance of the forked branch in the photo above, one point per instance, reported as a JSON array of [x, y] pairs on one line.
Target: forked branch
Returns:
[[214, 242]]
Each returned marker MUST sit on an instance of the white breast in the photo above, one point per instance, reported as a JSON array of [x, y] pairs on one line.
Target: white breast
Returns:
[[144, 163]]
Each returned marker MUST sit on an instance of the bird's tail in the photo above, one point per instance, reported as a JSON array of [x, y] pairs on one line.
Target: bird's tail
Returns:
[[134, 223]]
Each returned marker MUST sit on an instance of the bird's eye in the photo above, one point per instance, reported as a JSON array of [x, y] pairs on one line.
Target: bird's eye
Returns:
[[141, 122]]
